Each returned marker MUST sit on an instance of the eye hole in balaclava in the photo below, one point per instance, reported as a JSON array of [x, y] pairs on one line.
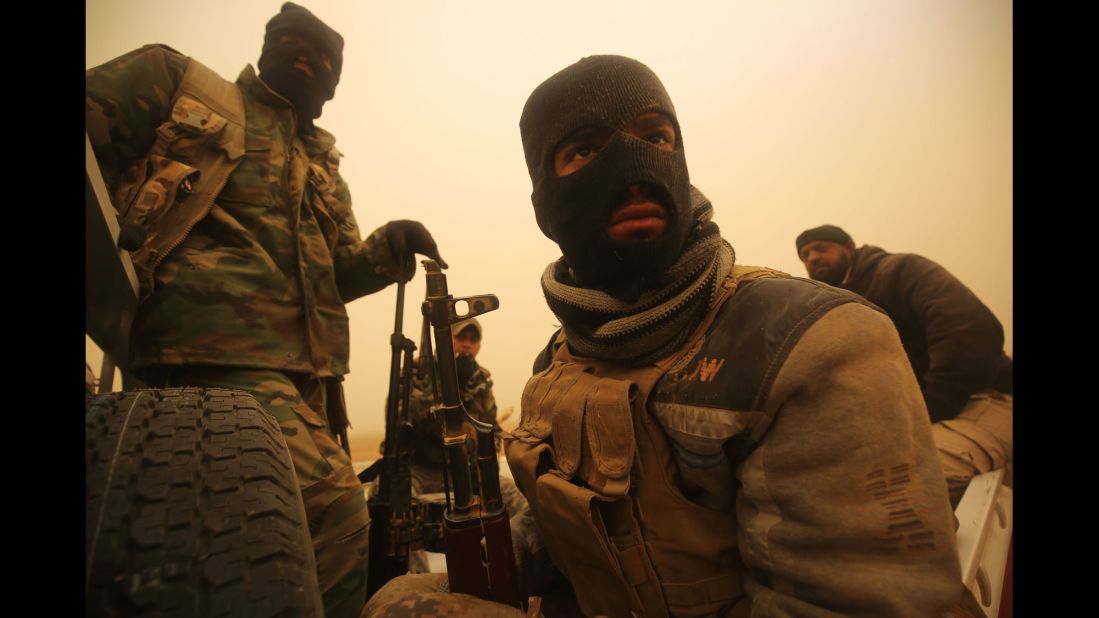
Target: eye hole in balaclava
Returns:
[[296, 33], [573, 210]]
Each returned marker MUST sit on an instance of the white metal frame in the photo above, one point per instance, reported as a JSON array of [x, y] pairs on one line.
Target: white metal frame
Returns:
[[985, 524]]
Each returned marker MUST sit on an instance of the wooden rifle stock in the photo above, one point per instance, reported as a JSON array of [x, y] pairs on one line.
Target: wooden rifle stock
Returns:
[[479, 557]]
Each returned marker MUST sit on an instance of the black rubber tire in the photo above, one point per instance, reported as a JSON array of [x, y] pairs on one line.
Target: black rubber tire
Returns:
[[193, 509]]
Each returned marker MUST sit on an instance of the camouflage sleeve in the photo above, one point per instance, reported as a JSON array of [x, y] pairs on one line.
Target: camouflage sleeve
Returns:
[[125, 101], [362, 266], [476, 396], [420, 399], [427, 431], [479, 399]]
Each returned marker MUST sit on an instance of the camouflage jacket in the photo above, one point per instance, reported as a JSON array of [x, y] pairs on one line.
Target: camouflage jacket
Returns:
[[261, 279], [476, 396]]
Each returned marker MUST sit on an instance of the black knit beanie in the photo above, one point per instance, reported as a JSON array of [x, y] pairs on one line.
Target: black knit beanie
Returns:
[[308, 95], [825, 232], [300, 20]]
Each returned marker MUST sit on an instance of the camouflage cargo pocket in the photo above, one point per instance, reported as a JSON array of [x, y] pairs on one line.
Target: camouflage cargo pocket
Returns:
[[169, 173], [318, 449], [323, 203], [313, 449], [190, 130], [166, 182]]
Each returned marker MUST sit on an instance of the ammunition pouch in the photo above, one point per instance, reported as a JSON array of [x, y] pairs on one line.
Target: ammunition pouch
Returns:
[[602, 466], [583, 496], [174, 186]]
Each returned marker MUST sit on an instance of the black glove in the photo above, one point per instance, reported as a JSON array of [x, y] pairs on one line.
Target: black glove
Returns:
[[406, 239], [466, 367]]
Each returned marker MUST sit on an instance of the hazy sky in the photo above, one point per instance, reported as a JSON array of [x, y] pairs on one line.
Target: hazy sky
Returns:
[[889, 118]]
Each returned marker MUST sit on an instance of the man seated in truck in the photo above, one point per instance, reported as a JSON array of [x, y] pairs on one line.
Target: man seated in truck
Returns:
[[953, 342]]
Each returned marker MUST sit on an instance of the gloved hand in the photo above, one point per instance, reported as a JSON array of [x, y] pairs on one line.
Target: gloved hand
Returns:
[[406, 239], [466, 367]]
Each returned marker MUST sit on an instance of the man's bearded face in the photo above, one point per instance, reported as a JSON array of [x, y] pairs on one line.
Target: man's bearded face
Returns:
[[826, 261]]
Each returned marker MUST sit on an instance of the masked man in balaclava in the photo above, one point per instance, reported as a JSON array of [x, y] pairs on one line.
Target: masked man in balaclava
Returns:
[[704, 438], [251, 251]]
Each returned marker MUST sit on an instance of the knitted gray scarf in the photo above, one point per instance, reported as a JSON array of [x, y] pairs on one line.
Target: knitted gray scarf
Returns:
[[636, 333]]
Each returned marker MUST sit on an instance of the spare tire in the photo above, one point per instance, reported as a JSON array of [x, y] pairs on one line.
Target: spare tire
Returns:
[[193, 509]]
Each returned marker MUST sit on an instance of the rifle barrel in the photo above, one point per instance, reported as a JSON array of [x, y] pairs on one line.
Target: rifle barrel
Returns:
[[390, 505], [479, 554]]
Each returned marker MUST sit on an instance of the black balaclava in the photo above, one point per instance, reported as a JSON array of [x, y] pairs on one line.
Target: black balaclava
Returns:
[[277, 60], [573, 211]]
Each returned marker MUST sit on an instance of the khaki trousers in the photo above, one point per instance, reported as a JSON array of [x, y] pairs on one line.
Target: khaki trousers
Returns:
[[977, 441]]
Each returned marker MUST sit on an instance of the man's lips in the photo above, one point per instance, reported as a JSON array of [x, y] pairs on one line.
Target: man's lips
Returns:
[[637, 221], [304, 67]]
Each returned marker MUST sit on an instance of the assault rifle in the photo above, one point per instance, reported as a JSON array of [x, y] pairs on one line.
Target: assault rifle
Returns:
[[479, 557], [392, 518]]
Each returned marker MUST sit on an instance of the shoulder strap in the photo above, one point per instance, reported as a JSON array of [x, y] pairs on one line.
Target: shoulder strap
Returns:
[[743, 273], [221, 95], [201, 87], [739, 275]]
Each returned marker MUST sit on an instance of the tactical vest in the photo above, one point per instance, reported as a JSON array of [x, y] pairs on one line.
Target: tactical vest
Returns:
[[174, 186], [629, 471]]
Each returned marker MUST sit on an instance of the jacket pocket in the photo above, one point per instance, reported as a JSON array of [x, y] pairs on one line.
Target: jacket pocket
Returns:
[[170, 171], [324, 205], [310, 416], [598, 545], [589, 421], [192, 128], [166, 182]]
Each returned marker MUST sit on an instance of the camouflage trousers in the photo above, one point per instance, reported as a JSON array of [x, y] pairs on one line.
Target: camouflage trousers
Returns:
[[334, 500], [425, 595]]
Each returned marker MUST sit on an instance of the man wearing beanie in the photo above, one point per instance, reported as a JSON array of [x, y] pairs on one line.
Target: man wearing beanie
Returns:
[[953, 341], [702, 437], [749, 430], [252, 251], [475, 391]]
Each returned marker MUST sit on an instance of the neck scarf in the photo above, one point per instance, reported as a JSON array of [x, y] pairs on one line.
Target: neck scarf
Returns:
[[654, 325]]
